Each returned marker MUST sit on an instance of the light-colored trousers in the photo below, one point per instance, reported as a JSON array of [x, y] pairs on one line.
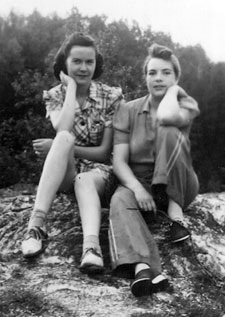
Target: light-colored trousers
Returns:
[[129, 236]]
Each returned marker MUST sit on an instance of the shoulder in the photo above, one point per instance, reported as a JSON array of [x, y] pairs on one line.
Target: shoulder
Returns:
[[135, 105], [136, 102], [101, 90], [130, 108], [53, 93]]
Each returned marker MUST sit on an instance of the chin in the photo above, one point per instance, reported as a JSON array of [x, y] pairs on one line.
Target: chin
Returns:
[[158, 95], [84, 81]]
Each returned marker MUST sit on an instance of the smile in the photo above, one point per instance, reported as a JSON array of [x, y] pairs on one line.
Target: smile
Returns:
[[82, 76], [159, 87]]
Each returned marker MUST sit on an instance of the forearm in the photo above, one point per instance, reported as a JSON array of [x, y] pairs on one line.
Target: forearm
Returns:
[[126, 176], [93, 153], [168, 112], [66, 118]]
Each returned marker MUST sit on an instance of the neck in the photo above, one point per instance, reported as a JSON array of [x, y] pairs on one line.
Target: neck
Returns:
[[82, 91], [155, 101]]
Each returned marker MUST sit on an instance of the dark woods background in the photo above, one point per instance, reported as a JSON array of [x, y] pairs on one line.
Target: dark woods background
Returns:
[[27, 47]]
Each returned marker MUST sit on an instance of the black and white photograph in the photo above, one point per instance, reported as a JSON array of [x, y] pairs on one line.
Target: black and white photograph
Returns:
[[112, 158]]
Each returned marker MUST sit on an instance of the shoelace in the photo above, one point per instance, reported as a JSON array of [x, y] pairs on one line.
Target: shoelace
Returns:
[[92, 250], [37, 233]]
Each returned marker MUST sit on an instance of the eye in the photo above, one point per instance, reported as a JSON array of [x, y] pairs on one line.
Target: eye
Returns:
[[167, 72], [90, 62], [151, 73], [76, 61]]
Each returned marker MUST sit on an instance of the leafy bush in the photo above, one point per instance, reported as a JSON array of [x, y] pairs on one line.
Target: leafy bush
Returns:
[[17, 158], [28, 45]]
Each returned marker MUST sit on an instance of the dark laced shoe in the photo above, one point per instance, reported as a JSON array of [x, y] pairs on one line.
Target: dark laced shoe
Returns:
[[178, 232], [146, 283], [91, 262], [34, 243]]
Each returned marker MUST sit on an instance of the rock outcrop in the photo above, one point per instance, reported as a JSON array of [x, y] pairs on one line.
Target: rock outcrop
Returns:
[[52, 285]]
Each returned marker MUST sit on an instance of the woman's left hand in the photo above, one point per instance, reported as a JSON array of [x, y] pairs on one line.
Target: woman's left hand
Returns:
[[42, 146], [65, 79], [144, 199]]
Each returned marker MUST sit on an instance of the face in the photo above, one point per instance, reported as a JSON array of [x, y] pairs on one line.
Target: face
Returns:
[[81, 63], [160, 76]]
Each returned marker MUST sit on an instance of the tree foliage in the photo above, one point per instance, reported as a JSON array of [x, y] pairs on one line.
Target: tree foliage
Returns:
[[28, 45]]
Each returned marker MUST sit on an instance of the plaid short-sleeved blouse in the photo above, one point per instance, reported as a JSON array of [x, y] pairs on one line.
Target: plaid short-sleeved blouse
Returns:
[[90, 121]]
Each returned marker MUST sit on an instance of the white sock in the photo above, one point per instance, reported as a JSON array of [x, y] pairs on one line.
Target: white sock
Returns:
[[141, 266]]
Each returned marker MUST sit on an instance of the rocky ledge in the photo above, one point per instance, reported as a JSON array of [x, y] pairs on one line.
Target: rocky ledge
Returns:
[[52, 285]]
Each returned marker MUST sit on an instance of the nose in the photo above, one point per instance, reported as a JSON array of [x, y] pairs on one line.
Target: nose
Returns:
[[83, 66], [158, 76]]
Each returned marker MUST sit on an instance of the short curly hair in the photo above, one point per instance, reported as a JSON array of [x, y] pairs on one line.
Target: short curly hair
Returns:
[[76, 39], [163, 52]]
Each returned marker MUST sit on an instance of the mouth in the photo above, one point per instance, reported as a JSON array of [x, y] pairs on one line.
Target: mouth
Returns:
[[82, 76], [159, 87]]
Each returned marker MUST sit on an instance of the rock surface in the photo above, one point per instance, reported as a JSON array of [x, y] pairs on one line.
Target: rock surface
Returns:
[[52, 286]]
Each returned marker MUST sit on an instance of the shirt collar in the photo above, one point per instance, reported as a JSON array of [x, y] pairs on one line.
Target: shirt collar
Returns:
[[145, 106], [93, 91]]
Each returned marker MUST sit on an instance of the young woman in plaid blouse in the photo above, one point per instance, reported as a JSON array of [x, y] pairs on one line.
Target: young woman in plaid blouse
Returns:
[[81, 111]]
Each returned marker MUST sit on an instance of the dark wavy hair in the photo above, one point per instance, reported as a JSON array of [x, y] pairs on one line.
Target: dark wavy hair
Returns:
[[76, 39], [163, 52]]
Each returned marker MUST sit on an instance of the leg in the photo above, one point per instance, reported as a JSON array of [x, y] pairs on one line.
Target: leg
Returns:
[[132, 246], [130, 239], [173, 167], [89, 186], [58, 171]]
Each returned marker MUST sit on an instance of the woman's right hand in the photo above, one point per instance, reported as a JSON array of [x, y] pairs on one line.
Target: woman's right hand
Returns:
[[144, 199]]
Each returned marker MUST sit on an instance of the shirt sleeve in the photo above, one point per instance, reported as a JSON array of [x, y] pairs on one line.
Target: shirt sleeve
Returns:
[[53, 100], [121, 124], [115, 98], [191, 104]]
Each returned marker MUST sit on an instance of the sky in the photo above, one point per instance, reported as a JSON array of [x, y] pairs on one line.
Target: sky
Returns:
[[189, 22]]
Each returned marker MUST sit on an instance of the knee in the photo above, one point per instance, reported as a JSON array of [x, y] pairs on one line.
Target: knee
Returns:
[[120, 197], [114, 199], [64, 139], [116, 204], [83, 180]]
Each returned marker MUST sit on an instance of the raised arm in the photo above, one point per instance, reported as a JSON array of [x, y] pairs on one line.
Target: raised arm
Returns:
[[170, 112], [64, 119]]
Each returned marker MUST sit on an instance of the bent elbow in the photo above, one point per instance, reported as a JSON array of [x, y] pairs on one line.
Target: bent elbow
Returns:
[[104, 155]]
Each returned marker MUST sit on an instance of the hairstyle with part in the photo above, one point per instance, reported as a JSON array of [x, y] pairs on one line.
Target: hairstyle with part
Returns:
[[76, 39], [163, 52]]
